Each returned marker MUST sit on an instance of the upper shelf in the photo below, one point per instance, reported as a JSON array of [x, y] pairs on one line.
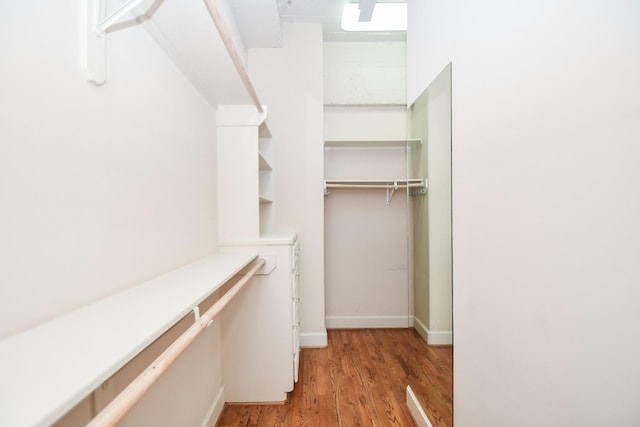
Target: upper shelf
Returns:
[[371, 143], [201, 37]]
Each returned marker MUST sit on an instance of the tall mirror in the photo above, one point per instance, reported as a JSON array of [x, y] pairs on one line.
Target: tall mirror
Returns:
[[429, 211]]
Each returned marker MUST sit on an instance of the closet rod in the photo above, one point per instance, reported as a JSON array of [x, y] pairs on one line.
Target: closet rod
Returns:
[[124, 401], [411, 185], [225, 34]]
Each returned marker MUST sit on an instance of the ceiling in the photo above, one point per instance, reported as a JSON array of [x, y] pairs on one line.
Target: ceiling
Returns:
[[259, 20]]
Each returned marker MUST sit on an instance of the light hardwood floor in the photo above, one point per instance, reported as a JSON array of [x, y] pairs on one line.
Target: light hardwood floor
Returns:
[[360, 380]]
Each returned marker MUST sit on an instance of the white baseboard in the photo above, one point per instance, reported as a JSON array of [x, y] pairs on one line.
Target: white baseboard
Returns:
[[215, 410], [422, 330], [432, 337], [313, 339], [336, 322], [416, 410]]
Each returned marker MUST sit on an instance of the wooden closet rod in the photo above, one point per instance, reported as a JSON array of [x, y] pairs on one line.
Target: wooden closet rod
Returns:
[[124, 401], [214, 11]]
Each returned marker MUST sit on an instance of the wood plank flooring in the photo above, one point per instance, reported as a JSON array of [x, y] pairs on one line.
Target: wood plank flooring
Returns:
[[360, 380]]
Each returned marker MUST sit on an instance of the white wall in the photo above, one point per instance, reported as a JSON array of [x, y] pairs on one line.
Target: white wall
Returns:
[[366, 250], [546, 113], [295, 120], [365, 73], [366, 247], [100, 187]]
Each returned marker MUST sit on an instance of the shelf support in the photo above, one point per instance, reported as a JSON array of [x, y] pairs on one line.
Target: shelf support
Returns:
[[94, 30], [390, 191], [93, 44], [115, 16]]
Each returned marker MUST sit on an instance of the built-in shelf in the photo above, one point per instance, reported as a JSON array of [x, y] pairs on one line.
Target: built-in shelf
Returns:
[[50, 368], [371, 143], [245, 186]]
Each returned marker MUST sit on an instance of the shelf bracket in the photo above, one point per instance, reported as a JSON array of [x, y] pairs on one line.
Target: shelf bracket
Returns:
[[390, 192], [94, 31], [115, 16]]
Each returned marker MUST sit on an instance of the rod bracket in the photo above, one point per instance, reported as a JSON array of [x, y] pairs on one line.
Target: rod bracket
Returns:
[[390, 191], [94, 27]]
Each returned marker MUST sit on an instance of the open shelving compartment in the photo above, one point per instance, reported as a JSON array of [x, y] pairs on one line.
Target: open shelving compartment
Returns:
[[412, 185]]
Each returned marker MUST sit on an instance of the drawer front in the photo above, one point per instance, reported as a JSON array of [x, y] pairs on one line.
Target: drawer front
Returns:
[[295, 301], [295, 255]]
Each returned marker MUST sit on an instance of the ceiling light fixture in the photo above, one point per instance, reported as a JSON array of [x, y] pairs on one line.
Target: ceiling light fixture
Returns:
[[385, 17]]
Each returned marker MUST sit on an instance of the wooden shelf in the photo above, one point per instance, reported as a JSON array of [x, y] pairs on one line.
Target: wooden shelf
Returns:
[[48, 369]]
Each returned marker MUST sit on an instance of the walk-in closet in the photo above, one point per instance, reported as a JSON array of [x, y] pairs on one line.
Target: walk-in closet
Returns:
[[287, 212], [387, 249]]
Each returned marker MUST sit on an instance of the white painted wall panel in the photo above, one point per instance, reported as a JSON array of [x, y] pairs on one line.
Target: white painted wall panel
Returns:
[[366, 248], [365, 123], [439, 200], [365, 73], [289, 82], [546, 107]]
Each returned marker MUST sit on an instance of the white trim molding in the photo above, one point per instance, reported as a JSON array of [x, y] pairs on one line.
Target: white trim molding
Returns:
[[432, 337], [215, 410], [353, 322], [418, 414], [313, 339]]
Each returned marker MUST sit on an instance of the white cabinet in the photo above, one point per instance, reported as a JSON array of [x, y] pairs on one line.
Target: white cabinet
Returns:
[[261, 327]]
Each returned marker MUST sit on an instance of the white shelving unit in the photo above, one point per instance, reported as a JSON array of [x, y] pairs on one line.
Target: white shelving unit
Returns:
[[48, 369], [262, 329], [245, 182]]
